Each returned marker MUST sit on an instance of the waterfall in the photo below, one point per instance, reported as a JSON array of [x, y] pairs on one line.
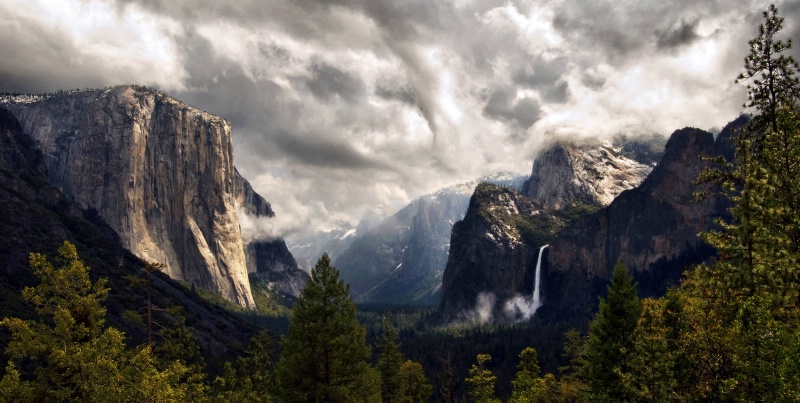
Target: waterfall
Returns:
[[536, 289], [519, 308]]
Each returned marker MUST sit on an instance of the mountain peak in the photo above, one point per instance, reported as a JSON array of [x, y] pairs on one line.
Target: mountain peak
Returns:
[[593, 172]]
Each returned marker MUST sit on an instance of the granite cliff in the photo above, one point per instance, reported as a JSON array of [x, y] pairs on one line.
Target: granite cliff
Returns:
[[591, 173], [494, 249], [491, 250], [653, 228], [159, 172], [37, 217]]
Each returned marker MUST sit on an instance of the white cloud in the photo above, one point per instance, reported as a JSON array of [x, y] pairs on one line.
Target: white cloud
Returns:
[[339, 107], [93, 41]]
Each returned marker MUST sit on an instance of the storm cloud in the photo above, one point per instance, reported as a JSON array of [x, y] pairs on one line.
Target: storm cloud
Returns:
[[341, 108]]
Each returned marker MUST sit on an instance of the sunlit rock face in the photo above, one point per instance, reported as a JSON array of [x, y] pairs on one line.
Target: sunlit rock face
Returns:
[[590, 173], [159, 172]]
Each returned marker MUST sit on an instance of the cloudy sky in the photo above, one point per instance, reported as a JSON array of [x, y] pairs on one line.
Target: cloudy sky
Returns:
[[343, 108]]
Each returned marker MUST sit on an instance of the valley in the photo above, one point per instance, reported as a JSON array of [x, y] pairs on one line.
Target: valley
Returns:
[[338, 214]]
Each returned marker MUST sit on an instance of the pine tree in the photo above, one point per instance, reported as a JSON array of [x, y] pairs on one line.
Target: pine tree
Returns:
[[773, 74], [481, 381], [324, 356], [251, 379], [654, 358], [528, 386], [611, 340], [389, 362], [750, 295], [75, 357], [414, 385]]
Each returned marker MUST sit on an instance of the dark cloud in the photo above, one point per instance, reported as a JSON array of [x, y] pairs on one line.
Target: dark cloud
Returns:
[[322, 152], [503, 106], [545, 76], [402, 94], [684, 34], [598, 24], [327, 82]]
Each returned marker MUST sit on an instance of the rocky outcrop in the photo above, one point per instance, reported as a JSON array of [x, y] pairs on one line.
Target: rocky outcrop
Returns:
[[490, 251], [401, 260], [653, 228], [269, 260], [592, 173], [493, 250], [159, 172]]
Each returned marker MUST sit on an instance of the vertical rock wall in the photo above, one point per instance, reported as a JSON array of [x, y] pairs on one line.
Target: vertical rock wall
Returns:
[[159, 172]]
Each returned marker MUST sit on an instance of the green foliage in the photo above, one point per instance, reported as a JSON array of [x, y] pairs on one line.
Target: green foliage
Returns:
[[610, 343], [528, 386], [656, 361], [68, 353], [575, 210], [324, 356], [251, 380], [414, 385], [772, 73], [179, 344], [389, 363], [481, 381]]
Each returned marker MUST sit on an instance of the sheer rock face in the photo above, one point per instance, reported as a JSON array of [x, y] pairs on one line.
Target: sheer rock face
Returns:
[[159, 172], [653, 229], [487, 252], [589, 173]]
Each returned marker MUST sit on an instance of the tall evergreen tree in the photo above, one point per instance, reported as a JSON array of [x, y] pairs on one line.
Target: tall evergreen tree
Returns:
[[324, 356], [772, 74], [611, 340], [481, 381], [414, 385], [750, 295], [527, 385], [389, 362], [251, 379]]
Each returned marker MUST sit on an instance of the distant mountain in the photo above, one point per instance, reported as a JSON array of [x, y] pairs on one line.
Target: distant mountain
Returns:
[[494, 249], [307, 248], [401, 259]]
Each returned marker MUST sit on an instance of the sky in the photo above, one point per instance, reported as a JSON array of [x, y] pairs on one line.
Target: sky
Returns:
[[342, 109]]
